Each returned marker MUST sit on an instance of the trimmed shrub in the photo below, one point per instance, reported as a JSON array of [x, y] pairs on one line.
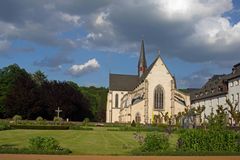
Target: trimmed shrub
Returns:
[[209, 141], [39, 119], [155, 142], [4, 126], [17, 118], [57, 119], [138, 128], [40, 127], [86, 121], [133, 124], [77, 127], [14, 150]]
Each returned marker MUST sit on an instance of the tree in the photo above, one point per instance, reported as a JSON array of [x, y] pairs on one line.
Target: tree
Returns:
[[199, 110], [217, 121], [32, 95], [166, 117], [97, 98], [235, 114], [21, 97], [39, 77], [178, 118], [9, 76]]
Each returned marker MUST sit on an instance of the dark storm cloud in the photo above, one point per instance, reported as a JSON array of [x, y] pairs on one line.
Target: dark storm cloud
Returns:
[[191, 30], [53, 62], [81, 7], [196, 79], [177, 36]]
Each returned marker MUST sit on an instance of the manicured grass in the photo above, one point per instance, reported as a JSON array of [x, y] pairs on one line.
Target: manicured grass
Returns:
[[94, 142], [98, 141]]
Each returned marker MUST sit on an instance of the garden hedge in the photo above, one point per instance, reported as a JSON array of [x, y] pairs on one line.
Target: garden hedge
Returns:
[[196, 140], [39, 127]]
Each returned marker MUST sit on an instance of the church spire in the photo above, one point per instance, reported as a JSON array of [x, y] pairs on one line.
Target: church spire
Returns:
[[142, 63]]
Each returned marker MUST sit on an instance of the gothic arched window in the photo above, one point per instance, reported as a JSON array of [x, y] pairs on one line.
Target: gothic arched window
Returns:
[[116, 100], [158, 97]]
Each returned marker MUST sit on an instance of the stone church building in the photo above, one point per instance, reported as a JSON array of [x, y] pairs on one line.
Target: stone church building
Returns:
[[150, 93]]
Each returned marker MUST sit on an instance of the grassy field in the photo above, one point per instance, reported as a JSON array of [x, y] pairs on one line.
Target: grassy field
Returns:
[[96, 142]]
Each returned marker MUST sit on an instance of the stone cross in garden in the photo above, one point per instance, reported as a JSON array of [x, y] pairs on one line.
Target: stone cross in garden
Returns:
[[58, 112]]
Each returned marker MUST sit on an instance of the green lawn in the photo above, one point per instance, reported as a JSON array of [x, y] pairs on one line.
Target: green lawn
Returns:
[[96, 142]]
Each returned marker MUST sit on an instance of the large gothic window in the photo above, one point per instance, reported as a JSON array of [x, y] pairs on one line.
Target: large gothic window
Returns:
[[158, 97], [116, 100]]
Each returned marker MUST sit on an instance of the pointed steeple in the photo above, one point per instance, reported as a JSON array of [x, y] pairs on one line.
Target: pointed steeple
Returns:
[[142, 63]]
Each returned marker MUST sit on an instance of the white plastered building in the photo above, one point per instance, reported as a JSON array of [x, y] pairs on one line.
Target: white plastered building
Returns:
[[217, 90]]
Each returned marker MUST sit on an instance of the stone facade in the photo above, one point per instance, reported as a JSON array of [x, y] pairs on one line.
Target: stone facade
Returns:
[[140, 101]]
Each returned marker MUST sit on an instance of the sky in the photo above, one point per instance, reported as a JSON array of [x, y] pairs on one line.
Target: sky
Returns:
[[85, 40]]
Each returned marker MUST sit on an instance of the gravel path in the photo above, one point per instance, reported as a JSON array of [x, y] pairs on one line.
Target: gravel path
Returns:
[[76, 157]]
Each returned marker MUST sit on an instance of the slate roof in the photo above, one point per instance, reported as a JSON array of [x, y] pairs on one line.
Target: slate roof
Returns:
[[215, 86], [235, 72], [120, 82], [189, 90]]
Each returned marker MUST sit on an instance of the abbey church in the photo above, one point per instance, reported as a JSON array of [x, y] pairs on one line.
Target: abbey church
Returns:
[[142, 97]]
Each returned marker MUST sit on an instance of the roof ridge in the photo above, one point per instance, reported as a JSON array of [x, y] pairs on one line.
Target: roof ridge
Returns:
[[122, 74]]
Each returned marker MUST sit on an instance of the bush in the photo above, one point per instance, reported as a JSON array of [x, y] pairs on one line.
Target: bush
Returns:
[[17, 118], [77, 127], [43, 143], [46, 144], [4, 126], [86, 121], [40, 120], [133, 124], [57, 119], [37, 145], [14, 150], [209, 141], [155, 142], [138, 128]]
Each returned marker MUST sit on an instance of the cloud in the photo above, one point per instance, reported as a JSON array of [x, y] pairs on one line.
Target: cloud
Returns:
[[4, 45], [54, 62], [196, 79], [70, 18], [81, 69], [191, 30]]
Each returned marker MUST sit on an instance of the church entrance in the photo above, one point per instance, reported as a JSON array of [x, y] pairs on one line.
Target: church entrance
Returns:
[[137, 118]]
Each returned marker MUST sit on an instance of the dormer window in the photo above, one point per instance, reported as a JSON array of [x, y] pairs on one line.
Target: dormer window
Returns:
[[236, 82], [220, 89], [212, 90]]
